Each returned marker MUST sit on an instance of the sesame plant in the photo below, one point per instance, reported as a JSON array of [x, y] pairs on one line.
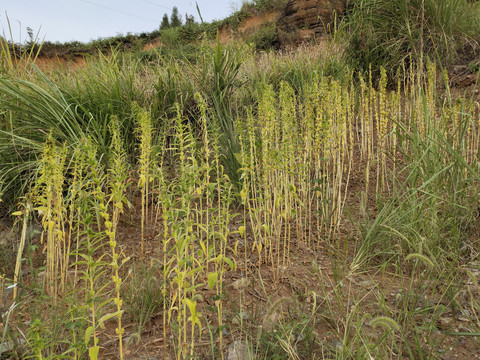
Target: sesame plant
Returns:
[[145, 134], [51, 206], [118, 186]]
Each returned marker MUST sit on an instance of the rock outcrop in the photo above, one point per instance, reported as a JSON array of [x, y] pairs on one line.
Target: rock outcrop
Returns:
[[304, 20]]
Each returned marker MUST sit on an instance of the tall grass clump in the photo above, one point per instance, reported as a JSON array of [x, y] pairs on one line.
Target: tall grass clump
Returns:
[[431, 206], [384, 33], [298, 67], [70, 106], [226, 65], [103, 87], [32, 110]]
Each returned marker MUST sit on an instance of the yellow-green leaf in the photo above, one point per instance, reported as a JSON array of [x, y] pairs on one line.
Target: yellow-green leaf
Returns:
[[93, 352], [192, 306], [241, 230], [107, 317], [202, 244], [88, 334], [230, 263], [212, 279]]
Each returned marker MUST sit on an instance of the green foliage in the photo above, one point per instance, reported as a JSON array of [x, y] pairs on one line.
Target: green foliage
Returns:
[[189, 20], [142, 294], [191, 32], [290, 338], [55, 329], [170, 37], [385, 33], [264, 37], [226, 65], [30, 105], [165, 22], [261, 6], [175, 20], [15, 58], [248, 9], [75, 105], [433, 202]]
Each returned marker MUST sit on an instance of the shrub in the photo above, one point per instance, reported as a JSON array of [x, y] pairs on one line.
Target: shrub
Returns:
[[263, 38], [170, 37]]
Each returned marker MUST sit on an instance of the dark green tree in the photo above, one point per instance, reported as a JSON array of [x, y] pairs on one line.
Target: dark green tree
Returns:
[[189, 19], [175, 19], [165, 22], [30, 35]]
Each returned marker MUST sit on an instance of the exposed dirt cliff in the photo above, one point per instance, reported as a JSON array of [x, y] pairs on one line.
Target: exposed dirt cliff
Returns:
[[304, 20]]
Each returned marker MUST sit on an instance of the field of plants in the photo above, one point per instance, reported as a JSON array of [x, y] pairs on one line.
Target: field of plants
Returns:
[[238, 204]]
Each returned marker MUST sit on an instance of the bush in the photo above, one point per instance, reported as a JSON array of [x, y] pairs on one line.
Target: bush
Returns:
[[264, 38], [170, 37]]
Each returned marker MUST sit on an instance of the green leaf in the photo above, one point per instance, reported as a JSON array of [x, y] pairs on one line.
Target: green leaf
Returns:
[[109, 316], [266, 228], [191, 306], [93, 352], [202, 244], [238, 157], [229, 262], [88, 334], [193, 271], [212, 279], [241, 230]]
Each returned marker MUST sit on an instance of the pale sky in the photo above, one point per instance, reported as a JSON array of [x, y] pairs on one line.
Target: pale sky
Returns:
[[86, 20]]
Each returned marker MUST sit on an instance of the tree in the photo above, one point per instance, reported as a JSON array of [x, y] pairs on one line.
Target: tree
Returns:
[[175, 19], [189, 19], [30, 34], [165, 23]]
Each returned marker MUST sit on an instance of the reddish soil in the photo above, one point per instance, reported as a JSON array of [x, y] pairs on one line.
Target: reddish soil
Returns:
[[49, 64], [152, 45], [248, 27], [253, 23]]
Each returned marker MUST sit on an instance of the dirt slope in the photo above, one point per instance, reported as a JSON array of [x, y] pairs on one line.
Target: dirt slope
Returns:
[[304, 20]]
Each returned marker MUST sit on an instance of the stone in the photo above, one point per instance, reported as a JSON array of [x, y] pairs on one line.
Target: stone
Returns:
[[10, 346], [304, 20]]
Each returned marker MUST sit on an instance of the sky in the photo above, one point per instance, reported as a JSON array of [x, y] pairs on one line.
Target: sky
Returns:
[[86, 20]]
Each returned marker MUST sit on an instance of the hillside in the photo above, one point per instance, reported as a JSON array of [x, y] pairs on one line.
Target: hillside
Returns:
[[305, 185]]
